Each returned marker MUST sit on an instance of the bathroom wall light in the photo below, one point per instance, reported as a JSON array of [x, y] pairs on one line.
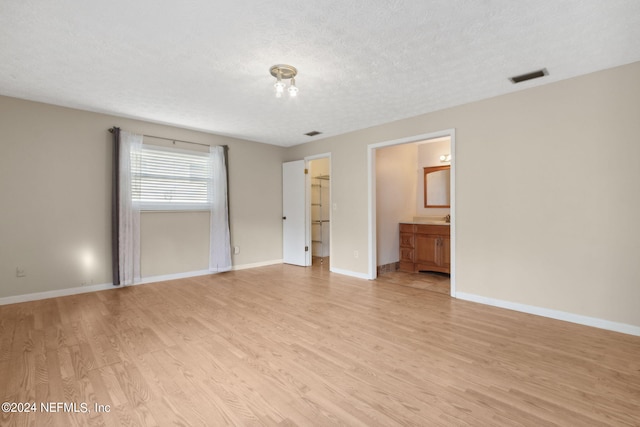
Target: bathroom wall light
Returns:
[[445, 158], [284, 72]]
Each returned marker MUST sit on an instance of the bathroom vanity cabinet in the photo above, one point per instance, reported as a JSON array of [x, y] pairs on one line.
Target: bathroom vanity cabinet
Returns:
[[425, 247]]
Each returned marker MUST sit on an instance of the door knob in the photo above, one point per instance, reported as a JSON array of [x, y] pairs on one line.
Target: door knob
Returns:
[[284, 217]]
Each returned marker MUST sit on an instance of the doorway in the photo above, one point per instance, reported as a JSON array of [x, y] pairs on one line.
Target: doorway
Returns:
[[390, 231], [320, 210]]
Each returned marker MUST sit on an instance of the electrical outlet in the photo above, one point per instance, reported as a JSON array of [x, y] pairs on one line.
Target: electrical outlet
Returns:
[[236, 249], [20, 272], [356, 254]]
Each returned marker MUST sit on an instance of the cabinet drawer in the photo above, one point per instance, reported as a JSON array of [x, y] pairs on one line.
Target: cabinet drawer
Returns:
[[440, 230], [406, 254], [407, 228], [407, 240]]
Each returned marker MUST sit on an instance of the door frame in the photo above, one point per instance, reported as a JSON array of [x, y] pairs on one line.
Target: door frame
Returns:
[[308, 204], [371, 166]]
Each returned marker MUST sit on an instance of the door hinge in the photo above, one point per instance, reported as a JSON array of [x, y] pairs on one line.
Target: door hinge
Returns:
[[306, 248], [306, 171]]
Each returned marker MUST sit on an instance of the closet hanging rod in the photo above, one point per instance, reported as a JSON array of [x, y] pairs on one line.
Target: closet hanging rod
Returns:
[[176, 140]]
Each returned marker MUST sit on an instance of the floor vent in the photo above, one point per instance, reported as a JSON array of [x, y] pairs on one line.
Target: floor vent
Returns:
[[313, 133]]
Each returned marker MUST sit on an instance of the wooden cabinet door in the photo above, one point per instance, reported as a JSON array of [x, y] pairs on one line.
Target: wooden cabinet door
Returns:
[[427, 251], [445, 247]]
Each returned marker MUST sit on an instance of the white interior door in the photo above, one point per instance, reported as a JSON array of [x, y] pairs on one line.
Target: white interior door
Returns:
[[295, 246]]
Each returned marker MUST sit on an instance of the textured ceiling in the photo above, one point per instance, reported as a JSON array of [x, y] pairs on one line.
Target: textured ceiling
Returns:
[[204, 64]]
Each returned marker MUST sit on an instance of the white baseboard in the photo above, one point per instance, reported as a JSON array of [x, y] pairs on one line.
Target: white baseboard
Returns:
[[55, 293], [257, 264], [351, 273], [106, 286], [188, 274], [553, 314], [165, 277]]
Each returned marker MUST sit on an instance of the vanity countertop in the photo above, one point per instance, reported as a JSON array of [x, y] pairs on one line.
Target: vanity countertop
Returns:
[[427, 219]]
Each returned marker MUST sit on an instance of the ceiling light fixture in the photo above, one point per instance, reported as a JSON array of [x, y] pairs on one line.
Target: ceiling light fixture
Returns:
[[284, 72]]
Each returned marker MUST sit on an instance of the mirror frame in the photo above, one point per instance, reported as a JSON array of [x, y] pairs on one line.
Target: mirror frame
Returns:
[[427, 171]]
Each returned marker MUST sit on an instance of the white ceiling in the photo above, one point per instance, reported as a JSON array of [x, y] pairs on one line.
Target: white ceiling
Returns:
[[204, 64]]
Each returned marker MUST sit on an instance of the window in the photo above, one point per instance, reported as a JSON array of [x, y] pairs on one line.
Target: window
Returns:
[[170, 179]]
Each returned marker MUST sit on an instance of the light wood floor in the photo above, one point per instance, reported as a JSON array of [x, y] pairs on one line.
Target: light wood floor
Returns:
[[284, 345], [435, 282]]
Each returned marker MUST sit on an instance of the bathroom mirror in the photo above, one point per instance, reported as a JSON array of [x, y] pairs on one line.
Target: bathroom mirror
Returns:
[[437, 187]]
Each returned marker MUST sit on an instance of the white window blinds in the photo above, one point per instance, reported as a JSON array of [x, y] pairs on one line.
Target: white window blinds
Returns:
[[170, 179]]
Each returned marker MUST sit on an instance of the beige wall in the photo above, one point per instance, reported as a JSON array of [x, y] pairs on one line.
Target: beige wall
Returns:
[[173, 242], [55, 184], [547, 193], [395, 197]]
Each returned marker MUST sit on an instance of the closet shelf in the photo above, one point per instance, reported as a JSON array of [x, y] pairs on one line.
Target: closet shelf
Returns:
[[320, 221]]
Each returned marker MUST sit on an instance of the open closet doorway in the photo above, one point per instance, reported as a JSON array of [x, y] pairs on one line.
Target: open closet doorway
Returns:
[[320, 210]]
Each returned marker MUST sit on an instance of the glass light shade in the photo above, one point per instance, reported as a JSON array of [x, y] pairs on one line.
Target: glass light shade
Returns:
[[293, 89]]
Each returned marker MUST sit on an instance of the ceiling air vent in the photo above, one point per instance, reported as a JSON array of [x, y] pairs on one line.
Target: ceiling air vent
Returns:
[[529, 76], [313, 133]]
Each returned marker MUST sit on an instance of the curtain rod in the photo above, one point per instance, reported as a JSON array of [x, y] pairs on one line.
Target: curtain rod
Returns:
[[176, 140]]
